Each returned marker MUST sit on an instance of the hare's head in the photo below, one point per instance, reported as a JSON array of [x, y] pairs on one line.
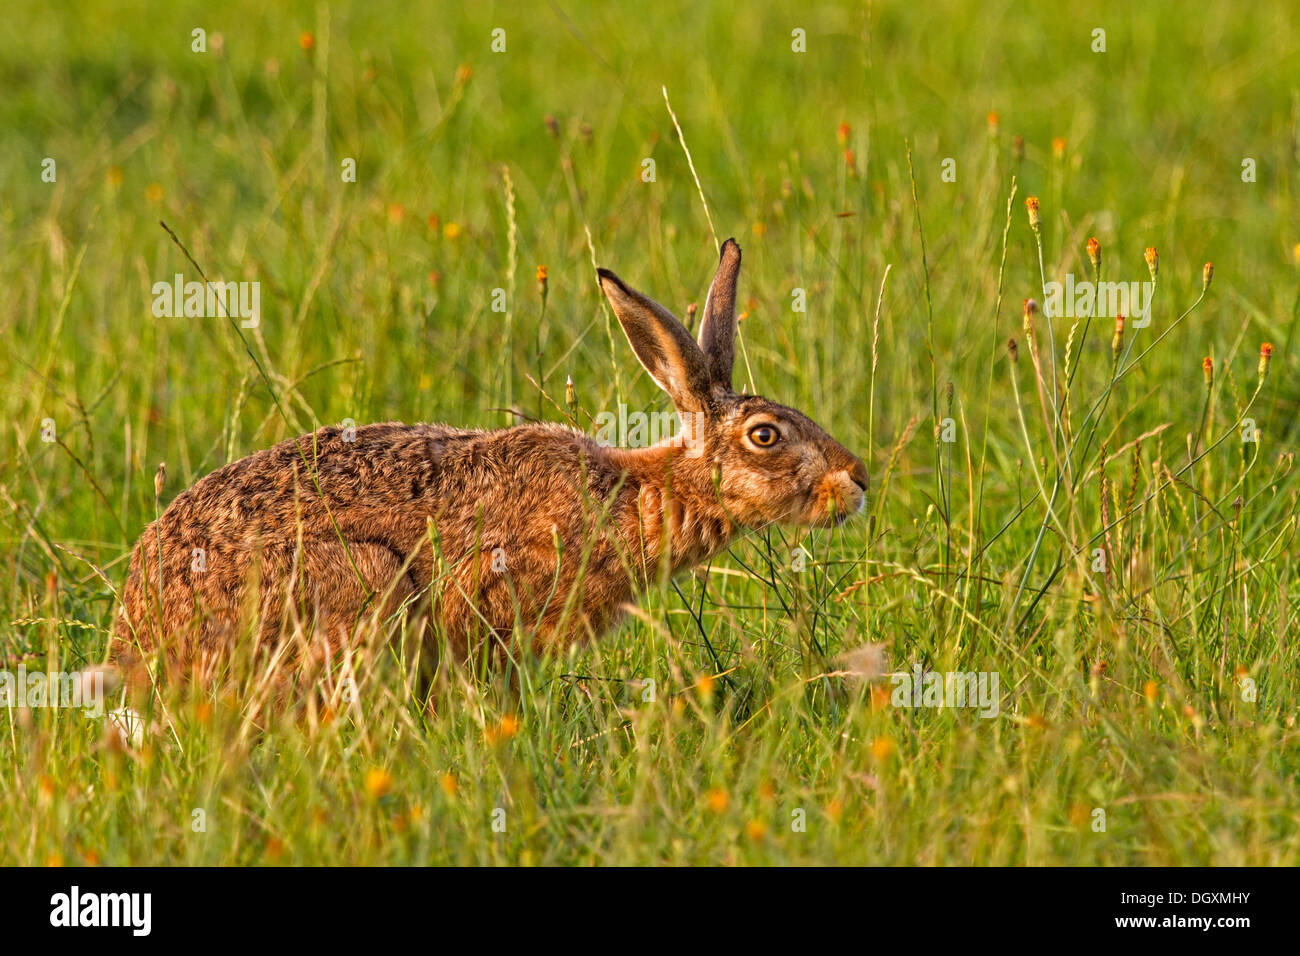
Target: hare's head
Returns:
[[765, 462]]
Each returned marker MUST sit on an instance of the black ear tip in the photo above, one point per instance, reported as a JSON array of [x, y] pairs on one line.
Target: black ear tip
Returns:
[[729, 246], [606, 275]]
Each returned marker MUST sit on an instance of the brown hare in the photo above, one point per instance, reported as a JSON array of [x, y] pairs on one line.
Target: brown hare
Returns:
[[537, 530]]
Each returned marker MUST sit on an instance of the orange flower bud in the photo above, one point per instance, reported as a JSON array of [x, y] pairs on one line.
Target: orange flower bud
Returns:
[[1207, 366], [1030, 310], [1034, 219], [1265, 356], [1153, 261], [1094, 252], [1207, 275], [378, 783]]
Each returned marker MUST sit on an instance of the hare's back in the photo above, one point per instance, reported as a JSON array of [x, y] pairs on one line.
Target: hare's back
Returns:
[[313, 481]]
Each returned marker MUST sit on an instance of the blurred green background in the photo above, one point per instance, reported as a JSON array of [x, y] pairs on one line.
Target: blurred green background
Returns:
[[239, 150]]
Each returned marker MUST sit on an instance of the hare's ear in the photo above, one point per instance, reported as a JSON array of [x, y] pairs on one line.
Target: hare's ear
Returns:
[[718, 331], [661, 343]]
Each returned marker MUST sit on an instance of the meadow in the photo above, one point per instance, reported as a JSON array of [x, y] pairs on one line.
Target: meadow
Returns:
[[1104, 520]]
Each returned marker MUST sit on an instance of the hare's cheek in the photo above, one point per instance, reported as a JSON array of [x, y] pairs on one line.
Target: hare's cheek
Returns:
[[753, 498]]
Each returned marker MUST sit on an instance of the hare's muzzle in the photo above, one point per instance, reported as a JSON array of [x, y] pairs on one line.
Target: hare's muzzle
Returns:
[[842, 492]]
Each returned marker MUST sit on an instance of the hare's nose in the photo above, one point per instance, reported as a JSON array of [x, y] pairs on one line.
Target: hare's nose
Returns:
[[858, 472]]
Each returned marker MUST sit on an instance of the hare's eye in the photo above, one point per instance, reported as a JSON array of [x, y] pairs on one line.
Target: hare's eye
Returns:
[[764, 436]]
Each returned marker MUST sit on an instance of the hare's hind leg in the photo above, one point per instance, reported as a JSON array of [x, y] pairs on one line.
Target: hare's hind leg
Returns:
[[356, 590], [345, 604]]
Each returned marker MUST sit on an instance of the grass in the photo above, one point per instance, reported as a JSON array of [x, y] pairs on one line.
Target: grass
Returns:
[[1126, 690]]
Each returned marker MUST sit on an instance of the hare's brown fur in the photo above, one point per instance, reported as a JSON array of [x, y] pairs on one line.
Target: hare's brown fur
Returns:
[[475, 533]]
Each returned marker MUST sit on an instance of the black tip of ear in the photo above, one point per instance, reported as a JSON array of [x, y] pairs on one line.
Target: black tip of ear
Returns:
[[731, 242], [604, 274]]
